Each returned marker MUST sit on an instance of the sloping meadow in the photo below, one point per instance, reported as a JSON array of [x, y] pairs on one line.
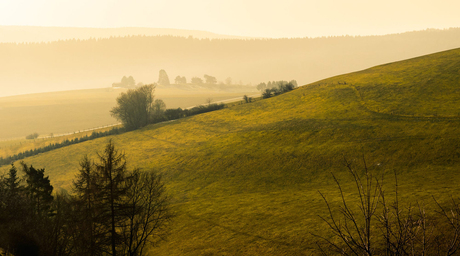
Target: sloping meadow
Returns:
[[244, 180]]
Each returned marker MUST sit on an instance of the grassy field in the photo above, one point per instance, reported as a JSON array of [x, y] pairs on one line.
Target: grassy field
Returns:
[[245, 179], [70, 111]]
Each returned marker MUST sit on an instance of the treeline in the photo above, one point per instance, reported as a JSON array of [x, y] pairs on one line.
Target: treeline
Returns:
[[127, 82], [44, 66], [112, 210], [52, 146], [275, 84], [171, 114]]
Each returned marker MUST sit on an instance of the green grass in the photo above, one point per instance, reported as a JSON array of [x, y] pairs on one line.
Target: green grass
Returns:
[[245, 179], [15, 146]]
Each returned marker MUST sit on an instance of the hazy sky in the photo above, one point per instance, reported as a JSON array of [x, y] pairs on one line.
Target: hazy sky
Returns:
[[261, 18]]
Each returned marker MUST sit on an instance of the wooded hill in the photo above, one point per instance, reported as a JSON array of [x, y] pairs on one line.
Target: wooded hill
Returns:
[[35, 34], [245, 179], [81, 64]]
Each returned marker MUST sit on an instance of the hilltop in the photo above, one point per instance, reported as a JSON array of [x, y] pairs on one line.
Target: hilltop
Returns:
[[245, 179], [96, 63]]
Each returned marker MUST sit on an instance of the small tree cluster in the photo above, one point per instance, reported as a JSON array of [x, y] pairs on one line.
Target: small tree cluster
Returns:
[[275, 85], [276, 88], [196, 80], [180, 80], [26, 210], [32, 136], [247, 99], [126, 82], [120, 211], [136, 108], [208, 80]]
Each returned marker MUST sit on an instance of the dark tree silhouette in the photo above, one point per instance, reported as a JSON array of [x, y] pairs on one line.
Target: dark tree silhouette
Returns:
[[111, 174], [148, 213], [38, 189], [134, 107]]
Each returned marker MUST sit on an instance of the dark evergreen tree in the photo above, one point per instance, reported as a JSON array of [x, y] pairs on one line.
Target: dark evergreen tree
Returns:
[[90, 232], [38, 189], [112, 174], [12, 182]]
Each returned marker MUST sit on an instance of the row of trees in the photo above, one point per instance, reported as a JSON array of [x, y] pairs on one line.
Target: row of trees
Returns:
[[51, 146], [113, 211], [127, 82], [197, 80], [275, 84], [137, 108], [276, 88], [32, 136], [171, 114], [163, 79]]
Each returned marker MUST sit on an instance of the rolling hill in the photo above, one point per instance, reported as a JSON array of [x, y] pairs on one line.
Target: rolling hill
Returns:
[[245, 179]]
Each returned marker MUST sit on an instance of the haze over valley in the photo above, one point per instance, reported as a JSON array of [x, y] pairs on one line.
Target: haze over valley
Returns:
[[85, 64]]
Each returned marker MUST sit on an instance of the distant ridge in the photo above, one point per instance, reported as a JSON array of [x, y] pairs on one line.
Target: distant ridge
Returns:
[[84, 64], [28, 34]]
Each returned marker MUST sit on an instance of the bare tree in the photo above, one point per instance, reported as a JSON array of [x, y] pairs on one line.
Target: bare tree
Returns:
[[380, 227], [355, 228], [148, 214], [451, 243]]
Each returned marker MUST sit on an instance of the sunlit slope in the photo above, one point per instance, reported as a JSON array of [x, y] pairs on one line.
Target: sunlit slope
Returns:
[[424, 86], [245, 179]]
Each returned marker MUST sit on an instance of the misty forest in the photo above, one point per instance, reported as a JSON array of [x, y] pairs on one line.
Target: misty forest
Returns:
[[148, 141]]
